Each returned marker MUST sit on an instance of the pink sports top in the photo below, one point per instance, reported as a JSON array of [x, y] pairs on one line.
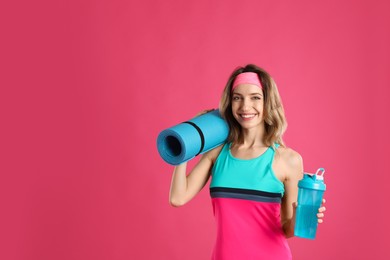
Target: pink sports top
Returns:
[[246, 197]]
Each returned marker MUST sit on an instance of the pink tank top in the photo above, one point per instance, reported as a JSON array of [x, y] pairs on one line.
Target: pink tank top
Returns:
[[246, 198]]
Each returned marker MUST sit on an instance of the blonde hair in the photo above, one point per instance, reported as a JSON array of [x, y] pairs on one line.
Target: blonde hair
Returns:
[[274, 118]]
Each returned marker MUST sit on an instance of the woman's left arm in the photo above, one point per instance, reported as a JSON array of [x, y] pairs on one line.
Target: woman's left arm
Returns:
[[294, 173], [293, 168]]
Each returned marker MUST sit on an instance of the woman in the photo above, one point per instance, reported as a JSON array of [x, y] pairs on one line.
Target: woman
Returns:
[[254, 176]]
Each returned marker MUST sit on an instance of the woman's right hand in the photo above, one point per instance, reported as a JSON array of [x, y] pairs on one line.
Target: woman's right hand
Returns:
[[204, 112]]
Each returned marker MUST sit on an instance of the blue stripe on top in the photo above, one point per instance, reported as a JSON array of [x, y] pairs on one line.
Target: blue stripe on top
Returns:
[[252, 174], [254, 195]]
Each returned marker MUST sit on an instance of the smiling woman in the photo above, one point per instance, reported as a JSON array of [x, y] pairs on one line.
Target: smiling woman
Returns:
[[254, 176]]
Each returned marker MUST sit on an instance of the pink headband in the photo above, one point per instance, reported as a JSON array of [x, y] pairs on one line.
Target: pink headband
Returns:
[[247, 78]]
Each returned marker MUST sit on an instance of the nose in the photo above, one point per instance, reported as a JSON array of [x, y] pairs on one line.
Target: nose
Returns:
[[246, 105]]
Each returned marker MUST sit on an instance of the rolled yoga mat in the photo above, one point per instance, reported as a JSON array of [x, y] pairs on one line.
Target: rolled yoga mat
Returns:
[[184, 141]]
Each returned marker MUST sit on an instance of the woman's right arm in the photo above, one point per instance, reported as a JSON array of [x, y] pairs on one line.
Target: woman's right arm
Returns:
[[183, 187]]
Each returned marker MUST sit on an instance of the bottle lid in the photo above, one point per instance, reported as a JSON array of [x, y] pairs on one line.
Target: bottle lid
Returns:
[[313, 181]]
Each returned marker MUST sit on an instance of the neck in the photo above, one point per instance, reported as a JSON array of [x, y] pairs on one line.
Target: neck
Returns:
[[251, 137]]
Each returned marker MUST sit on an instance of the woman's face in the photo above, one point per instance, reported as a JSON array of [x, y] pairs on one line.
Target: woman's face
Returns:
[[248, 105]]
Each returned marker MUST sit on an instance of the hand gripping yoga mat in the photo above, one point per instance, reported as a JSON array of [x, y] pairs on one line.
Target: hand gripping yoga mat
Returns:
[[184, 141]]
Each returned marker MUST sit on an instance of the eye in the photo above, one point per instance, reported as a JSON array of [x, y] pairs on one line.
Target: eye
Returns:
[[236, 98], [257, 97]]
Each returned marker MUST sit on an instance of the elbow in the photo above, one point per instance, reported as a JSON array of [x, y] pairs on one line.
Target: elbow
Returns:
[[176, 202]]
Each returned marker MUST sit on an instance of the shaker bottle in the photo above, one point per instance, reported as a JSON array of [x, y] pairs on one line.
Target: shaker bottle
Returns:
[[310, 193]]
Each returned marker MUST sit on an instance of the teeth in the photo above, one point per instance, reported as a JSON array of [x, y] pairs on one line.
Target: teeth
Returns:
[[247, 116]]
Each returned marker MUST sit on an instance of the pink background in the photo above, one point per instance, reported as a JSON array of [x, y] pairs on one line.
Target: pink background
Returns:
[[86, 86]]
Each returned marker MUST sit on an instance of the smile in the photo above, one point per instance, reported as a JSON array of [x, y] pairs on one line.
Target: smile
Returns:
[[247, 116]]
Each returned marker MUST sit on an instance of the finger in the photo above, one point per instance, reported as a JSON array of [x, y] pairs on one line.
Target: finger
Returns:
[[204, 112], [320, 220], [323, 201], [207, 110], [320, 215], [322, 209], [295, 204]]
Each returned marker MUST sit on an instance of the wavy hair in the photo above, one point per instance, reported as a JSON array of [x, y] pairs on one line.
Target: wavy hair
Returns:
[[274, 118]]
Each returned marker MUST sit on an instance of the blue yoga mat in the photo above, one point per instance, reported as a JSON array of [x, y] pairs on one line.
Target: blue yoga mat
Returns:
[[184, 141]]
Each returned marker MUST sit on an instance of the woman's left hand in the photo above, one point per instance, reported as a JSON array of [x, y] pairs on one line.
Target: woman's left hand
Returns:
[[321, 210]]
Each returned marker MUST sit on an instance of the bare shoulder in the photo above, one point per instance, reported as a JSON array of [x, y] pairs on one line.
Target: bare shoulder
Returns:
[[289, 161], [213, 153], [289, 157]]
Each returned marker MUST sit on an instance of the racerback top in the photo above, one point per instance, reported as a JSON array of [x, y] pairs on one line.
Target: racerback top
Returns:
[[246, 197]]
